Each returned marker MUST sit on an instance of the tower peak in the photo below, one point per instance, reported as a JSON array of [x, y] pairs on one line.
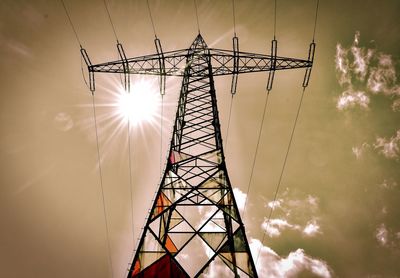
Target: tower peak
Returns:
[[199, 43]]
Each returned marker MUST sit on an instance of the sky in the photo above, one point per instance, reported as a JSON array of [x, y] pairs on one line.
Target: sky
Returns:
[[337, 210]]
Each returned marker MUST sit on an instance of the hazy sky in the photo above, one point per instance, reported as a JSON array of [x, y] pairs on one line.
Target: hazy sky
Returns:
[[337, 211]]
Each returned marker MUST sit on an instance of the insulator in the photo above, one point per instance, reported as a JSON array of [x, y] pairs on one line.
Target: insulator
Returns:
[[271, 75], [307, 75]]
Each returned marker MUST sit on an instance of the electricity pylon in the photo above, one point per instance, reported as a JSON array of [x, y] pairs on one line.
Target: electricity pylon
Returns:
[[194, 226]]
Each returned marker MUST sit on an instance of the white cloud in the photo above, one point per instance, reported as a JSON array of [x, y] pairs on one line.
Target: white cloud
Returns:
[[275, 204], [359, 151], [342, 65], [295, 214], [312, 201], [274, 227], [382, 78], [389, 147], [381, 235], [271, 265], [240, 198], [396, 105], [312, 228], [388, 184], [351, 99], [362, 71], [63, 121]]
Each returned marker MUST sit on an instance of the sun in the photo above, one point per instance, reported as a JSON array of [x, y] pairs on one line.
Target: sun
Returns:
[[140, 104]]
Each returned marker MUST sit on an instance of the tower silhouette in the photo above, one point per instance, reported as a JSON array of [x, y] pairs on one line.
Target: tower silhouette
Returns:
[[194, 226], [194, 223]]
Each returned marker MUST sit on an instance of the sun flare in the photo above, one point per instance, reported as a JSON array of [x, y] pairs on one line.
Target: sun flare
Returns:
[[140, 104]]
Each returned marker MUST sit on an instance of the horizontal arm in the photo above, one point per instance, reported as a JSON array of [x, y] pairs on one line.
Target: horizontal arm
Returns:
[[222, 63]]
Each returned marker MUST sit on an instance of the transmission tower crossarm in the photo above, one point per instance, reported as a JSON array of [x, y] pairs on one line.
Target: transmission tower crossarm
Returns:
[[223, 63]]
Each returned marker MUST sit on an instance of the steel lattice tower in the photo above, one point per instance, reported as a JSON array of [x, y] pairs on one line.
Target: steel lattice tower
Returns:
[[194, 224]]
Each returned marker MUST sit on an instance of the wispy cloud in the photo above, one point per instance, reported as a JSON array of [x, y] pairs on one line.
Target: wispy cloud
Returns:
[[387, 237], [270, 264], [312, 228], [389, 147], [363, 71], [294, 214], [351, 99], [359, 151], [275, 226], [381, 234], [388, 184]]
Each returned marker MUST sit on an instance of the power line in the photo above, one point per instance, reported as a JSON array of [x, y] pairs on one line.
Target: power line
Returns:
[[130, 179], [274, 19], [256, 151], [102, 189], [234, 17], [229, 122], [161, 133], [197, 16], [72, 25], [111, 22], [151, 19], [283, 170], [315, 21]]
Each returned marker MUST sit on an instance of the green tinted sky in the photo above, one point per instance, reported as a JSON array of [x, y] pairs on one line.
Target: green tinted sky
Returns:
[[338, 205]]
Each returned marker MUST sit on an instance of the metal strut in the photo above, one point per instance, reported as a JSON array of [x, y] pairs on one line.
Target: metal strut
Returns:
[[125, 65], [85, 56]]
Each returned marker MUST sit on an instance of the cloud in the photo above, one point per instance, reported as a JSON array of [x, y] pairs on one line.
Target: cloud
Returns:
[[274, 227], [240, 198], [387, 237], [275, 204], [388, 184], [312, 228], [63, 121], [351, 99], [271, 265], [389, 147], [396, 105], [294, 214], [381, 235], [363, 71], [359, 151]]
